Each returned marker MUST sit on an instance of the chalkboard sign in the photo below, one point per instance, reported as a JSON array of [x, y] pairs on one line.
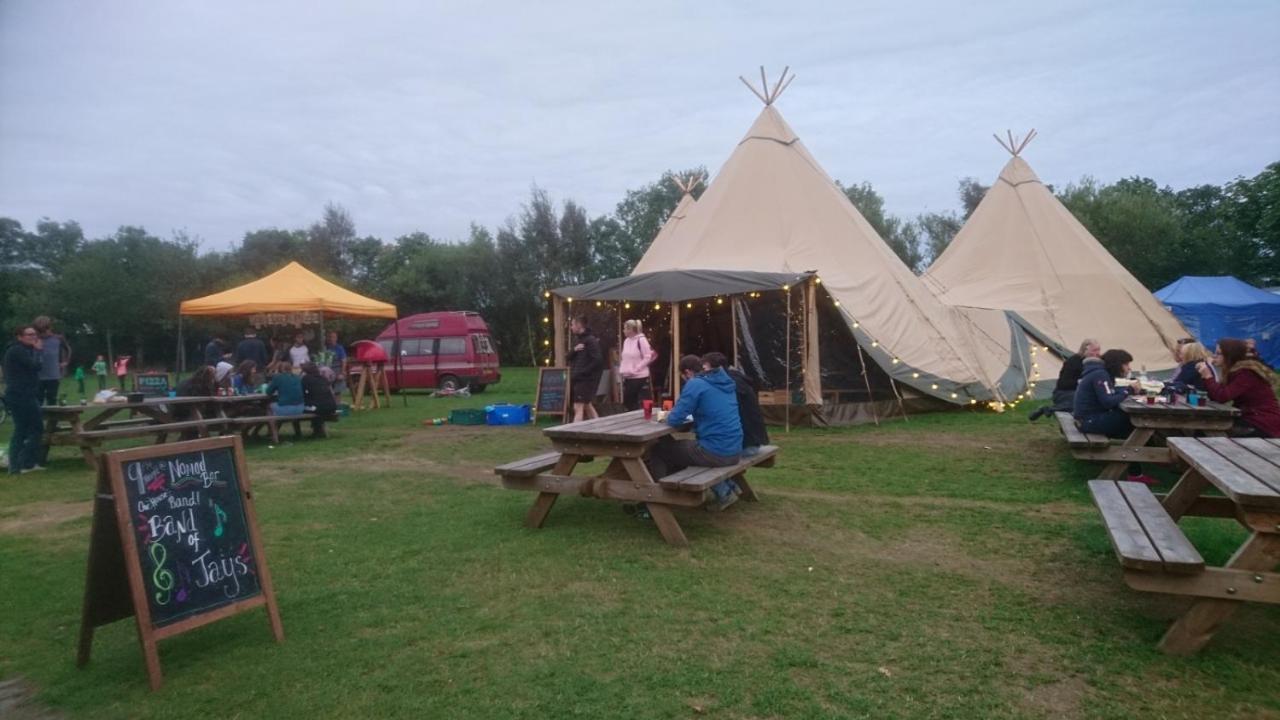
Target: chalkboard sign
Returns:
[[152, 384], [553, 392], [186, 537]]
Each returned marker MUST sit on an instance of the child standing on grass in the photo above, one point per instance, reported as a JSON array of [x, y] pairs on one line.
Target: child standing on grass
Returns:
[[100, 370], [80, 380]]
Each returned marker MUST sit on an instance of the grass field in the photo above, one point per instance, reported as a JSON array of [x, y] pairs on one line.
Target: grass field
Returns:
[[951, 566]]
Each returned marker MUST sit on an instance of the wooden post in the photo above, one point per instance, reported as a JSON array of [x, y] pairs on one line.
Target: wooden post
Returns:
[[558, 330], [786, 367], [871, 400], [675, 351], [812, 365], [733, 320]]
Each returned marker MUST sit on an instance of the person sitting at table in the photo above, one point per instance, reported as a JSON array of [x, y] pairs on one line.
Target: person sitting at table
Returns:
[[1248, 386], [1097, 401], [246, 379], [1064, 391], [754, 433], [285, 390], [317, 397], [223, 372], [1190, 354], [711, 399], [279, 356], [202, 383]]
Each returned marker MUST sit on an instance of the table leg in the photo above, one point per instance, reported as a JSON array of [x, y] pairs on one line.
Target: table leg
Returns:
[[661, 513], [1138, 438], [545, 501], [748, 493], [1197, 625], [1184, 494]]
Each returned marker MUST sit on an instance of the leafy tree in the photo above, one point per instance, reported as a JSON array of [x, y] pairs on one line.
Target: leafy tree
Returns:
[[329, 241], [971, 193], [640, 215], [938, 230], [266, 251], [1255, 212], [901, 237]]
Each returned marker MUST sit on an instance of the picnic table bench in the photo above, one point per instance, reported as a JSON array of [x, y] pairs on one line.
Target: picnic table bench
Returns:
[[88, 426], [1157, 557], [1170, 419], [624, 439]]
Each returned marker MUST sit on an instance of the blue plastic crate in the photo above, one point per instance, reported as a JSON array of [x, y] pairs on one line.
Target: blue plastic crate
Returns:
[[508, 414]]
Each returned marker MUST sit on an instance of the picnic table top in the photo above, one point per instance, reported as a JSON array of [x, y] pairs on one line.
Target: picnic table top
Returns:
[[628, 427], [1181, 409], [1246, 470], [152, 402]]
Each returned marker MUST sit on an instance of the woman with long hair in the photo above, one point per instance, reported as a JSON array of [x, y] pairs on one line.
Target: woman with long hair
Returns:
[[1247, 384], [1098, 398], [637, 356]]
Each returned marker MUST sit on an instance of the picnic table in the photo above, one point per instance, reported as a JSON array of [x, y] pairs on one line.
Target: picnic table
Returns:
[[624, 439], [88, 426], [1158, 557], [1170, 419]]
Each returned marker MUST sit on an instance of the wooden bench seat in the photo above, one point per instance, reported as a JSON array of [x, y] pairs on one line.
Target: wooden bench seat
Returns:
[[144, 430], [1077, 438], [698, 479], [1142, 534], [529, 466], [272, 423]]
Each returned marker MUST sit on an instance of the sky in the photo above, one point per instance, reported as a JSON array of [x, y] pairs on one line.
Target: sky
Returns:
[[220, 118]]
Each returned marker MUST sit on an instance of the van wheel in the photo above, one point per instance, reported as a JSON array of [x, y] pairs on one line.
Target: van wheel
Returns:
[[449, 382], [477, 389]]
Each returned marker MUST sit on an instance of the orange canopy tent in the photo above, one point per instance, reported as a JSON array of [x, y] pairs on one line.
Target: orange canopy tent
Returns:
[[292, 288]]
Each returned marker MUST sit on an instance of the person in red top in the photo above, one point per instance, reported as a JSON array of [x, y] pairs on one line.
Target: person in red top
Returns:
[[1247, 385]]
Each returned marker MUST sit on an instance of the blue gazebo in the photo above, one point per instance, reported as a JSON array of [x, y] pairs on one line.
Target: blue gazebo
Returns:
[[1217, 307]]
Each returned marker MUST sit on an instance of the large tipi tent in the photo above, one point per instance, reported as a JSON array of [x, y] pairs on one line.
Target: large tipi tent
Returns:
[[1023, 251], [773, 209]]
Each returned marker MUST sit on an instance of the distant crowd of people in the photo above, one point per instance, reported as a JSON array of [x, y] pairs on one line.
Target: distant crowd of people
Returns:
[[1092, 384], [718, 402], [296, 379]]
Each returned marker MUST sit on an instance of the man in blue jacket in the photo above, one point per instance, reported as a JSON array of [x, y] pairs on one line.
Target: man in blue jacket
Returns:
[[710, 398]]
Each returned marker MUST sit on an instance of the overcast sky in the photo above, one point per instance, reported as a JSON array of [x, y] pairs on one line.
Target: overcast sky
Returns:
[[223, 117]]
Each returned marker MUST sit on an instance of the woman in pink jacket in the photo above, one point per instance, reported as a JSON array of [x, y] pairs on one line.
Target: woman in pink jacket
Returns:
[[637, 356]]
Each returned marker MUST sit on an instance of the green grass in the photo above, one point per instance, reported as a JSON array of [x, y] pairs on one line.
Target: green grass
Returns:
[[947, 567]]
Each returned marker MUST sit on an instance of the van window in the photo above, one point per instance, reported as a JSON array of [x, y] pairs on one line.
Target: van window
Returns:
[[386, 346], [483, 346], [417, 347], [453, 346]]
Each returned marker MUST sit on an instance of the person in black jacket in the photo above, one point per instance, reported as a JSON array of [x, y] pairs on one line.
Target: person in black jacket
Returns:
[[251, 348], [754, 433], [1190, 353], [1098, 398], [1064, 391], [317, 397], [214, 351], [586, 363], [22, 362]]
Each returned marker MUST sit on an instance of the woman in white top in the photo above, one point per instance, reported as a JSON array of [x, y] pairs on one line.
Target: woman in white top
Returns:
[[637, 356], [299, 354]]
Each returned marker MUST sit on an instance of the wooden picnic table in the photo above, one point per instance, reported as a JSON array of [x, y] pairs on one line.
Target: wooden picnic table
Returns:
[[1158, 557], [1170, 419], [87, 426], [624, 439]]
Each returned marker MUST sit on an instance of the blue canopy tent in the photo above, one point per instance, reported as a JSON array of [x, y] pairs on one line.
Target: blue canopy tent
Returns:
[[1218, 307]]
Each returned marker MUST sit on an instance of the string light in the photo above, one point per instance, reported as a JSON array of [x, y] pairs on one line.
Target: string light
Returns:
[[570, 300], [934, 386], [626, 306], [719, 301], [875, 343], [915, 375], [656, 306], [688, 306], [817, 281], [546, 319], [895, 361], [786, 287], [546, 343], [598, 303], [954, 396], [837, 303]]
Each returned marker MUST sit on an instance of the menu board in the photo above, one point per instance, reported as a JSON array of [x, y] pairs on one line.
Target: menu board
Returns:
[[152, 384], [553, 391], [174, 543]]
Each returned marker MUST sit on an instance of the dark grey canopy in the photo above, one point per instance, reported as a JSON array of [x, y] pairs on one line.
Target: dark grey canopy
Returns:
[[681, 285]]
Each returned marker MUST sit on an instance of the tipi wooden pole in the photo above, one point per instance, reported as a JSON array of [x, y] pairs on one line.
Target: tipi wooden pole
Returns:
[[786, 366], [558, 330], [812, 362], [733, 320], [901, 405], [675, 351]]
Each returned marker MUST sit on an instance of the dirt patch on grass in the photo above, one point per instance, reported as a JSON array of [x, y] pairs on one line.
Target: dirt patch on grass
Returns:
[[41, 518], [298, 470], [1058, 510]]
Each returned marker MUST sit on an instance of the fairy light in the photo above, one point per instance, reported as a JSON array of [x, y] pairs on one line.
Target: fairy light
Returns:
[[688, 306], [934, 386], [915, 375], [546, 343], [719, 301], [570, 300], [954, 396], [837, 303], [895, 361], [875, 343], [855, 325], [598, 303], [817, 281], [786, 287], [546, 319], [546, 293], [626, 306], [657, 306]]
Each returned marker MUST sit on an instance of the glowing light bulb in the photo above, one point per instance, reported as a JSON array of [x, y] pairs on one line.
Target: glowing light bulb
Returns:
[[895, 361], [546, 319], [546, 293], [915, 375], [875, 343], [786, 287], [627, 305], [598, 303], [934, 386], [837, 303]]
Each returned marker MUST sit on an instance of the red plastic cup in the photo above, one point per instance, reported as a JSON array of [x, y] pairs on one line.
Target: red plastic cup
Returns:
[[648, 409], [667, 405]]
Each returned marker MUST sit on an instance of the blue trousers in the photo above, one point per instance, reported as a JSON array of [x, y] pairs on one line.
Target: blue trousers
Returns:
[[24, 446], [1113, 423]]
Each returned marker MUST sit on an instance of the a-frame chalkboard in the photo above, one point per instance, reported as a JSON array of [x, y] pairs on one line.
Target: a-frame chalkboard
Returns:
[[174, 543], [553, 392]]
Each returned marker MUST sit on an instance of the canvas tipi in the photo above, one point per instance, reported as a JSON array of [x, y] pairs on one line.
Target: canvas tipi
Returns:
[[773, 209], [1023, 251]]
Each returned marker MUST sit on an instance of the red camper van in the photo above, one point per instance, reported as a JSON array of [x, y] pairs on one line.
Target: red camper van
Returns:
[[441, 350]]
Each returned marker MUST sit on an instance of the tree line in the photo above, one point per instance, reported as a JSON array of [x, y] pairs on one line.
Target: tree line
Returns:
[[121, 293]]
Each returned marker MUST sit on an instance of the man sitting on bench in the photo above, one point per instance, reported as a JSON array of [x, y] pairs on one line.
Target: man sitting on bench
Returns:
[[710, 399], [754, 434]]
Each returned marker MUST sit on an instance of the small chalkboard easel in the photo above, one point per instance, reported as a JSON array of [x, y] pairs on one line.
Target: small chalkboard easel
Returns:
[[553, 392], [174, 544]]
